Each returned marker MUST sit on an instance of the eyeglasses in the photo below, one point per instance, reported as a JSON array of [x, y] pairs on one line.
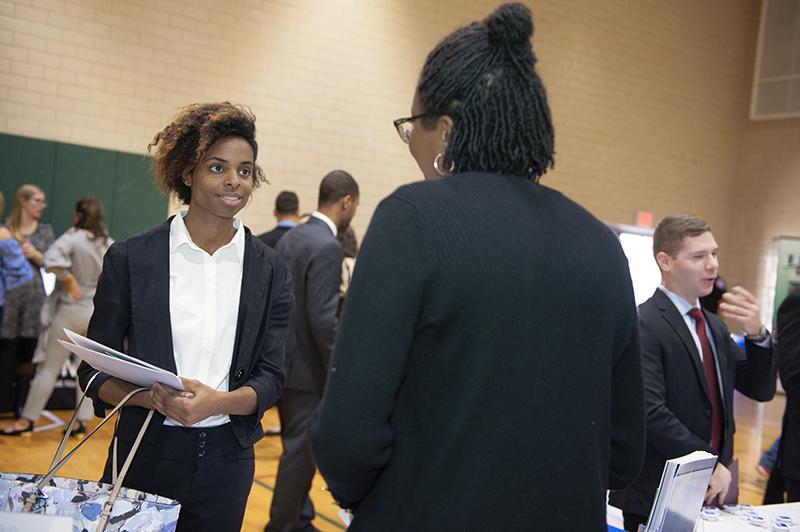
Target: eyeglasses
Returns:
[[405, 125]]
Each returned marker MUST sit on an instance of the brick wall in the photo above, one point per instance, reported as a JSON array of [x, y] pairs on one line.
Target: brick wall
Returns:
[[767, 198], [649, 98]]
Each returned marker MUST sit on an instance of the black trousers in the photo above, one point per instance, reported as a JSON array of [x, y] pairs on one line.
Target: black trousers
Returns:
[[291, 509], [205, 469], [632, 521], [16, 371], [776, 487], [792, 489]]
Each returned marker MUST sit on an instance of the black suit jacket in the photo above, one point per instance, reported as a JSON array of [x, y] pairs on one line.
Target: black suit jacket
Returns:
[[676, 399], [131, 314], [271, 238], [789, 355], [487, 373], [314, 258]]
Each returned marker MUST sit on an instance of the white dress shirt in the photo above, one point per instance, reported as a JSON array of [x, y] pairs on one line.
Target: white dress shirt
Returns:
[[204, 295], [328, 222]]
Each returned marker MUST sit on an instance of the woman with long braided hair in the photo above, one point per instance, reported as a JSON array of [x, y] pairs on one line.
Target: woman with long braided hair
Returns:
[[486, 375]]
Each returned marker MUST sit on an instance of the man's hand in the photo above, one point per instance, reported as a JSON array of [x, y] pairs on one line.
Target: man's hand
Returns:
[[741, 310], [194, 404], [719, 485]]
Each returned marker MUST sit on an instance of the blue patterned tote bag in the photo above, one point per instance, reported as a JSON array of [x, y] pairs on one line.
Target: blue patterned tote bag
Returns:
[[92, 506]]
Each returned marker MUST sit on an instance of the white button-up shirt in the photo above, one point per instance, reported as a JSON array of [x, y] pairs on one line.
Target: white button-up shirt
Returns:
[[204, 295]]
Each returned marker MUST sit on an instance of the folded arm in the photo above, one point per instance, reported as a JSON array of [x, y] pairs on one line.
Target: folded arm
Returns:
[[109, 325]]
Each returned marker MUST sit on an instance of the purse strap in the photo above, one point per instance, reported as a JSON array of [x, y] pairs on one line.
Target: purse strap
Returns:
[[65, 437], [106, 513], [59, 462]]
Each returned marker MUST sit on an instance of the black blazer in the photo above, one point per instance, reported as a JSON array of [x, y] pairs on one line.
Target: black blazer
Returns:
[[314, 258], [789, 355], [271, 238], [487, 373], [131, 314], [676, 400]]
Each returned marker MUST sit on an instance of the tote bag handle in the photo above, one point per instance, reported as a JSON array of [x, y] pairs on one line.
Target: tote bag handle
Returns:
[[58, 461]]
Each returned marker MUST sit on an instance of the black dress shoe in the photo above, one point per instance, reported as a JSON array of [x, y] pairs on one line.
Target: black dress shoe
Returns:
[[16, 432], [80, 428]]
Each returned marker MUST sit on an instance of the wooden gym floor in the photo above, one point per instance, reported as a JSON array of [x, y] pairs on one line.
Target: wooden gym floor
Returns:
[[757, 426]]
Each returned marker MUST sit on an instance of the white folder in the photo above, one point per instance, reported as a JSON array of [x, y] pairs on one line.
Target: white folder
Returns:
[[118, 364]]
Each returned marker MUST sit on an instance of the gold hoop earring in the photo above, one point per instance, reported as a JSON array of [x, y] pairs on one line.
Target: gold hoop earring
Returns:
[[438, 169]]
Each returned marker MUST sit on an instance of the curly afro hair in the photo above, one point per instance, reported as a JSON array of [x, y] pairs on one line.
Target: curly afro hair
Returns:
[[184, 142]]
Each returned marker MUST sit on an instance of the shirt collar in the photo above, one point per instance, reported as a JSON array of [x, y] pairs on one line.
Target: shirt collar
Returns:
[[286, 223], [328, 221], [680, 303], [179, 236]]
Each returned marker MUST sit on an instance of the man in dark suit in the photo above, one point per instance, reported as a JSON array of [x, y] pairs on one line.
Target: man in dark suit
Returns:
[[789, 354], [691, 365], [314, 257], [287, 212]]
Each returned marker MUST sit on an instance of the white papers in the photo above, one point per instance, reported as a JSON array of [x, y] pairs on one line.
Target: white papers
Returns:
[[88, 343], [118, 364], [680, 494]]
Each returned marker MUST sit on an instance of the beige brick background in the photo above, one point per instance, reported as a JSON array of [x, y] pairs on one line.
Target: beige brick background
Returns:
[[766, 196], [649, 98]]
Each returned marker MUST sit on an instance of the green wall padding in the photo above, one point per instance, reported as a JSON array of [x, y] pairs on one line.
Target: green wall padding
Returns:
[[68, 172]]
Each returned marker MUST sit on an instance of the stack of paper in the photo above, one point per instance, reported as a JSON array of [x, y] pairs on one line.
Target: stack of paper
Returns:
[[680, 494], [119, 365]]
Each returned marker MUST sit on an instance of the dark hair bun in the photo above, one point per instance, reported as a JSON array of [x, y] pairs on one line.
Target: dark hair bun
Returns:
[[510, 24]]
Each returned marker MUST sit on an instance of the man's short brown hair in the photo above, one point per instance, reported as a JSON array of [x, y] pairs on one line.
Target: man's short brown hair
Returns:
[[673, 229]]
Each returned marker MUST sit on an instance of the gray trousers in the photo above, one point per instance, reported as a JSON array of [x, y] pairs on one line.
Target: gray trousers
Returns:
[[73, 317], [291, 509]]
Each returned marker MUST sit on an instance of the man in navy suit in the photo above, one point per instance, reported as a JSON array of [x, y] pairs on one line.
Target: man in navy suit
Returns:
[[690, 364], [314, 257], [287, 212]]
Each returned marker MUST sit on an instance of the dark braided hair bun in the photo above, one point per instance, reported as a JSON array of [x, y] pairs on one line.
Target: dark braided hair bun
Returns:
[[510, 24], [483, 76]]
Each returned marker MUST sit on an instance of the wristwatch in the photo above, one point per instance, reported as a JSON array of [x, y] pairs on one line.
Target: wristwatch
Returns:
[[762, 335]]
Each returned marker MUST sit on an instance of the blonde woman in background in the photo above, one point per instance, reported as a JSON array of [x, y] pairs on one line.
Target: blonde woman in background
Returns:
[[23, 304], [14, 269], [77, 259]]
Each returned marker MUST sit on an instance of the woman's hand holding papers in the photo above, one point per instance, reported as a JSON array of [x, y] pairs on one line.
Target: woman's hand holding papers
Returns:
[[195, 403], [198, 401]]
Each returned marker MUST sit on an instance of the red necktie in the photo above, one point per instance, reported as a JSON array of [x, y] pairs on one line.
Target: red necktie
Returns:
[[712, 383]]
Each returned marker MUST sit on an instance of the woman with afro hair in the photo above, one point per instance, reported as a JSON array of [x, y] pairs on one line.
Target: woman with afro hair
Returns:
[[197, 295]]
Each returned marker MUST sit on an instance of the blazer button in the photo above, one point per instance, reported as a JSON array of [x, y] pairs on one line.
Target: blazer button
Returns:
[[240, 373], [707, 412]]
